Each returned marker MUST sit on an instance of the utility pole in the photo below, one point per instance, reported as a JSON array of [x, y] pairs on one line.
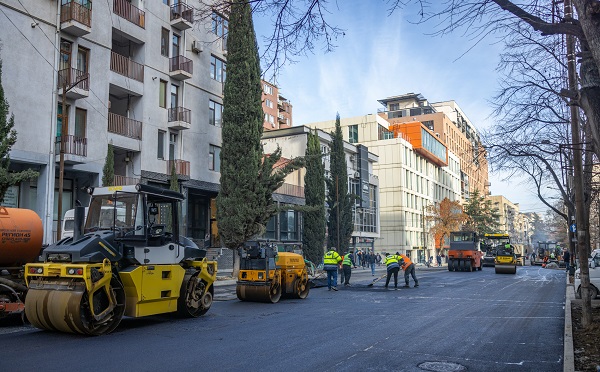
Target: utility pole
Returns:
[[582, 229]]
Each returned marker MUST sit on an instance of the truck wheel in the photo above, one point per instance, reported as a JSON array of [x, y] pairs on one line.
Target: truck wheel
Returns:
[[456, 265], [468, 266], [461, 265], [451, 265]]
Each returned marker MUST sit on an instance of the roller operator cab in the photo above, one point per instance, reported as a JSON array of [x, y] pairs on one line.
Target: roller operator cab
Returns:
[[129, 261], [490, 244], [266, 275]]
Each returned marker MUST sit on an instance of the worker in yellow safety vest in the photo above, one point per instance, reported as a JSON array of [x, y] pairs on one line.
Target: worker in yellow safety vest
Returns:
[[347, 265], [391, 263], [331, 260]]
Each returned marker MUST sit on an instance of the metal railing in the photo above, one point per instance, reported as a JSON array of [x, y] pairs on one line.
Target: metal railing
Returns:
[[125, 66], [292, 190], [73, 10], [124, 126], [182, 10], [72, 77], [180, 114], [125, 9], [182, 167], [123, 180], [73, 145], [181, 63]]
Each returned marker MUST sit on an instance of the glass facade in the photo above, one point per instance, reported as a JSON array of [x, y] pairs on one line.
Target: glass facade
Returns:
[[433, 145]]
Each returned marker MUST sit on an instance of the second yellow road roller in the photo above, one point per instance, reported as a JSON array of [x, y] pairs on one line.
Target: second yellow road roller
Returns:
[[129, 260], [266, 275]]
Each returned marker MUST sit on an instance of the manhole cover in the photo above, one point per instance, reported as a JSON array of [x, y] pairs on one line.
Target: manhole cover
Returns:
[[441, 366]]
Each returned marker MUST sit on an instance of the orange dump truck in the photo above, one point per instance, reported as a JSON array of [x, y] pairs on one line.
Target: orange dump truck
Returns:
[[464, 253], [21, 236]]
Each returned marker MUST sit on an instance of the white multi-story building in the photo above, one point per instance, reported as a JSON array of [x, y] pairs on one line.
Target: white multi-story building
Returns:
[[414, 170], [145, 76]]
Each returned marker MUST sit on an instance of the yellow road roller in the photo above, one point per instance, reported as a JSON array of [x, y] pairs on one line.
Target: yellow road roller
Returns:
[[506, 260], [129, 260], [266, 275]]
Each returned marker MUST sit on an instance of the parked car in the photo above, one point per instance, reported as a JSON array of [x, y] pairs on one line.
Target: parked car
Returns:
[[594, 265]]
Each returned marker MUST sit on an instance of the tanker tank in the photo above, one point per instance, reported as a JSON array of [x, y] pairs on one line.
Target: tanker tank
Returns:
[[21, 236]]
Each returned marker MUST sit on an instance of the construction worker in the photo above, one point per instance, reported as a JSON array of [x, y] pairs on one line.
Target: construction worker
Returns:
[[391, 263], [347, 264], [409, 269], [331, 260]]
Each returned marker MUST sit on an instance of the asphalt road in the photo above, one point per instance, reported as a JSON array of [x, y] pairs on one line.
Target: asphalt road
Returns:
[[478, 321]]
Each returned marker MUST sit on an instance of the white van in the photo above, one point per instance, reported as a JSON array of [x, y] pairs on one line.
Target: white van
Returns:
[[594, 265], [68, 223]]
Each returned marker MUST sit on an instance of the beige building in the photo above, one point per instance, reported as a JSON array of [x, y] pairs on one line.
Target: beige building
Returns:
[[451, 125], [410, 179]]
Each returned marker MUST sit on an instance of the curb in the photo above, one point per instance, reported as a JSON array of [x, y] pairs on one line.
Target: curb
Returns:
[[569, 357]]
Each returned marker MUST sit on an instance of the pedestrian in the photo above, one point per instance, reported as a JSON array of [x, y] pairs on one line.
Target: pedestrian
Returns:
[[430, 263], [439, 260], [567, 259], [378, 257], [347, 264], [372, 260], [409, 269], [331, 259], [391, 263], [359, 257]]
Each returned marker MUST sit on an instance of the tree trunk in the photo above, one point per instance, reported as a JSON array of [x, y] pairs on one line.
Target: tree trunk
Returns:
[[588, 13]]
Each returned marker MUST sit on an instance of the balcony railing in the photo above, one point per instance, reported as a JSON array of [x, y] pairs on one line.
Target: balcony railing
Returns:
[[182, 10], [124, 126], [123, 180], [73, 78], [73, 145], [180, 114], [72, 10], [125, 66], [182, 167], [292, 190], [181, 63], [124, 9]]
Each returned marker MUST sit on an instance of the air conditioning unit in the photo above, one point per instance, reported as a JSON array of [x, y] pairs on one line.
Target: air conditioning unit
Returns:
[[352, 158], [197, 46], [356, 174]]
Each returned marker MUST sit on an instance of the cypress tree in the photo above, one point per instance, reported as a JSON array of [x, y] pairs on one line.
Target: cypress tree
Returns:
[[248, 180], [339, 200], [313, 238], [8, 137], [108, 172]]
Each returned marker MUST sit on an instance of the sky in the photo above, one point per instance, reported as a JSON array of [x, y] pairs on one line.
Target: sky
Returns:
[[384, 55]]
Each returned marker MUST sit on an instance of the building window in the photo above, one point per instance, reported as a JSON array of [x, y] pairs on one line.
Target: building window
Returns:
[[59, 123], [214, 158], [174, 95], [217, 69], [269, 103], [220, 27], [270, 119], [271, 227], [175, 47], [80, 120], [215, 113], [65, 54], [353, 133], [268, 89], [172, 145], [166, 2], [287, 225], [83, 59], [162, 94], [164, 42], [160, 147]]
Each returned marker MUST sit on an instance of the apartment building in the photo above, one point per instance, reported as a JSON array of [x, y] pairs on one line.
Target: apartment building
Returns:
[[361, 182], [451, 125], [277, 109], [415, 170], [146, 76]]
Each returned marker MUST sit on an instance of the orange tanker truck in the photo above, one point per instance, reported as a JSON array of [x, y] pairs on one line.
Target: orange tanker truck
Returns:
[[20, 243]]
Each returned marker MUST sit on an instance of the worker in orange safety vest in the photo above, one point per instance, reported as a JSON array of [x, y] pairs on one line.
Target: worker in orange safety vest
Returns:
[[409, 269]]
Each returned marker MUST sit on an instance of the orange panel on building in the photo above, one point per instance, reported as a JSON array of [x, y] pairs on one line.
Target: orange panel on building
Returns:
[[423, 141]]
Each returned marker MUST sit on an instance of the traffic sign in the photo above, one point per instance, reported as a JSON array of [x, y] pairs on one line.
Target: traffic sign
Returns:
[[573, 228]]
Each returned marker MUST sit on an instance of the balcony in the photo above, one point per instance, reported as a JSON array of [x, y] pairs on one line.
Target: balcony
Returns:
[[180, 68], [74, 148], [182, 16], [179, 118], [292, 190], [76, 82], [124, 126], [124, 9], [182, 167], [76, 18], [125, 66], [124, 181]]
